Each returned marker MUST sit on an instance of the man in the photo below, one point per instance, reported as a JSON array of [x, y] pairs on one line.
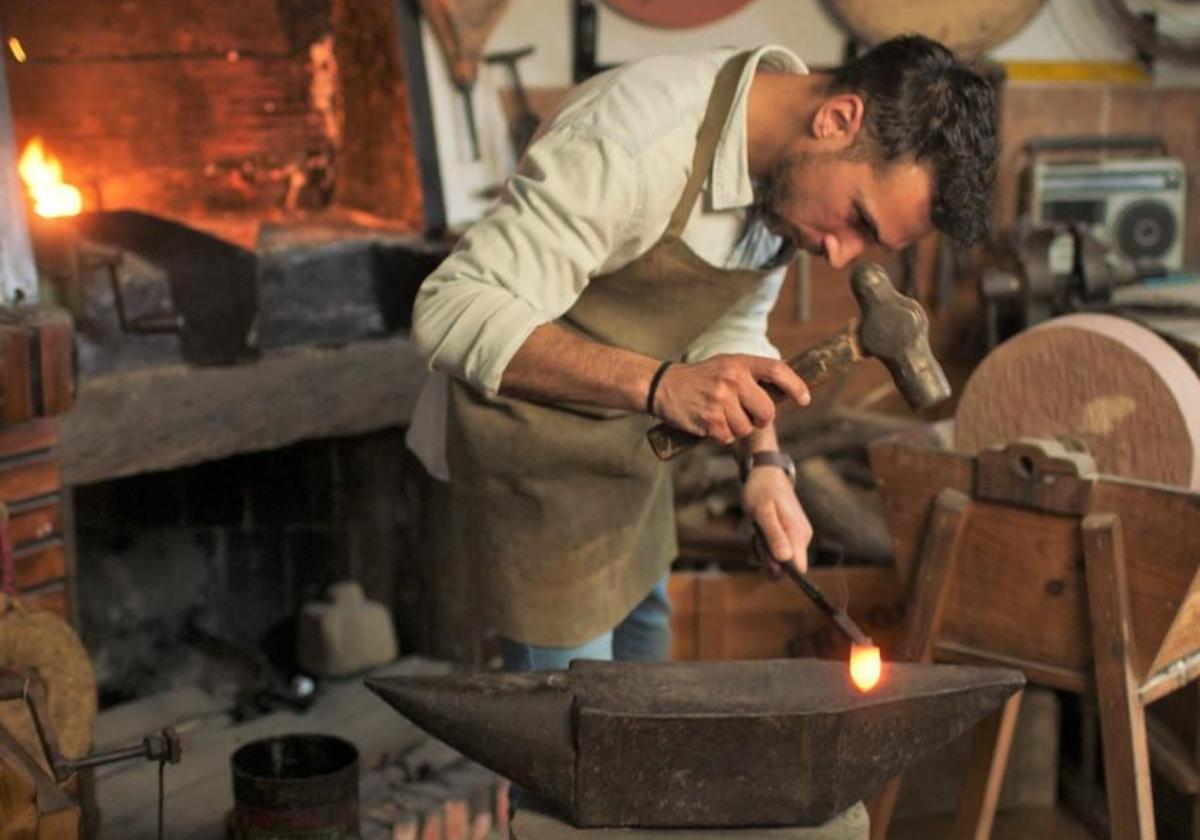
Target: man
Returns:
[[625, 277]]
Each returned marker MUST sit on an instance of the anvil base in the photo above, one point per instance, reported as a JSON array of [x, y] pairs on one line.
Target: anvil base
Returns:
[[533, 824]]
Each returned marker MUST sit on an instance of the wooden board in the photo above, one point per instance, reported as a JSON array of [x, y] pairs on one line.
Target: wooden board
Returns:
[[35, 523], [52, 599], [27, 437], [27, 476], [40, 563], [1019, 593], [1095, 381], [1163, 565], [742, 615]]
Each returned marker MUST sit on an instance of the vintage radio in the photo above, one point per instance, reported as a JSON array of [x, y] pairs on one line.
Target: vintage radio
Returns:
[[1136, 204]]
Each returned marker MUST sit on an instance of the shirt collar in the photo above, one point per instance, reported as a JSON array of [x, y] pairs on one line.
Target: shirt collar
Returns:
[[729, 180]]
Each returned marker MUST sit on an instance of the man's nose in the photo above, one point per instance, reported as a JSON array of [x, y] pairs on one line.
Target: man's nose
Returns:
[[841, 250]]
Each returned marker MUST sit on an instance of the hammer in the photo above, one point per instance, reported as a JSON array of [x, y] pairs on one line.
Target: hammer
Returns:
[[893, 328]]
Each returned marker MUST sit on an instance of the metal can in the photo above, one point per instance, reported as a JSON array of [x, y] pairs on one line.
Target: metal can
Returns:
[[296, 786]]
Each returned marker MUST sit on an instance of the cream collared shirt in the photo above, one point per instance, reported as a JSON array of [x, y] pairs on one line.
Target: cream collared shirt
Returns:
[[594, 191]]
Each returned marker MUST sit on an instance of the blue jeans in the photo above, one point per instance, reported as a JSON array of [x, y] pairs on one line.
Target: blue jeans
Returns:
[[644, 636]]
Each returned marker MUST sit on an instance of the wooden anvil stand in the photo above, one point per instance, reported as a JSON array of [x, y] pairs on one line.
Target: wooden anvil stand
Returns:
[[1024, 556]]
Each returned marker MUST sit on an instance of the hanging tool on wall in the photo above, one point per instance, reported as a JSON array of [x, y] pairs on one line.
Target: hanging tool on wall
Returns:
[[462, 28], [524, 122]]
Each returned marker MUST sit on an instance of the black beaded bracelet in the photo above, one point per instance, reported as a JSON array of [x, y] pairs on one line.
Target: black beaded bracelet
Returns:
[[658, 375]]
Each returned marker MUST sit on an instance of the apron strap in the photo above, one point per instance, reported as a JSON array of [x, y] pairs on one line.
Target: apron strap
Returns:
[[708, 137]]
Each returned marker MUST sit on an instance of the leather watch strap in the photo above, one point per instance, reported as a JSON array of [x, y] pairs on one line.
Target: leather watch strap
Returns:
[[767, 458]]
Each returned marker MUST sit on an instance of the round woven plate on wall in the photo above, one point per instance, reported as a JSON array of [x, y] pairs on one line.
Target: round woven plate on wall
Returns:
[[676, 14], [39, 642], [967, 28], [1094, 382]]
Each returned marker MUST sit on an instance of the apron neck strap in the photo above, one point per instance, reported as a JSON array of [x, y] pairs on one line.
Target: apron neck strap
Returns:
[[708, 137]]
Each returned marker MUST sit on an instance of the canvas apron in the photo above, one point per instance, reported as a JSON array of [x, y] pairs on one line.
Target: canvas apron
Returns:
[[565, 514]]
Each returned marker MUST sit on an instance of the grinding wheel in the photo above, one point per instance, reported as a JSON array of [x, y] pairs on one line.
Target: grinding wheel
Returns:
[[38, 642], [1097, 383], [968, 28]]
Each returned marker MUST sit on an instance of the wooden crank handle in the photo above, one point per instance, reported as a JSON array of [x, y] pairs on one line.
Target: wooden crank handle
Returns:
[[816, 365]]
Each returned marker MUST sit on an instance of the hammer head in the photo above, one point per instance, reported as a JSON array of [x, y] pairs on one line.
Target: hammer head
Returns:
[[895, 330]]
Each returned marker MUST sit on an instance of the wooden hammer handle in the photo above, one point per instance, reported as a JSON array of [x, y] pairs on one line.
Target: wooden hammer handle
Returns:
[[816, 365]]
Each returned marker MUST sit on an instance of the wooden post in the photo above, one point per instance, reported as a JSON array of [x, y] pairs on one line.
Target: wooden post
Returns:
[[1122, 717], [1196, 763], [935, 564], [985, 772]]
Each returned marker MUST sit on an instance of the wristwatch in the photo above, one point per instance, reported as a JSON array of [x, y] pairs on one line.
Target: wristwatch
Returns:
[[767, 458]]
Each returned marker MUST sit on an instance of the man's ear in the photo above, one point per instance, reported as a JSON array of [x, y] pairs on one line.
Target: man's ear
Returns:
[[839, 117]]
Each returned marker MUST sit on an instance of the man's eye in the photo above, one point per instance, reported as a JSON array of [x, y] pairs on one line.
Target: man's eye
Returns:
[[863, 224]]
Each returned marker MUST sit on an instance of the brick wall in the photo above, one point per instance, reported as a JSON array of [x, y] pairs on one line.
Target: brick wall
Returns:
[[232, 548]]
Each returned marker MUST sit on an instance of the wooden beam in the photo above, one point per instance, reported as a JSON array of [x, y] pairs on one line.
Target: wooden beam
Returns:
[[943, 539], [985, 772], [931, 578], [172, 416], [1122, 718]]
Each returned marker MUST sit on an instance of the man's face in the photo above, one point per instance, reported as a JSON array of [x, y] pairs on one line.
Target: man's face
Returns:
[[834, 205]]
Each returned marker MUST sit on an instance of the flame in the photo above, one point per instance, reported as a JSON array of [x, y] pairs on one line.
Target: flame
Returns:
[[865, 666], [17, 50], [42, 174]]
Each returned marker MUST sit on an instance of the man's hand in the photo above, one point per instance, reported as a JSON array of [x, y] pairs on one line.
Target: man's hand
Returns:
[[770, 503], [721, 397]]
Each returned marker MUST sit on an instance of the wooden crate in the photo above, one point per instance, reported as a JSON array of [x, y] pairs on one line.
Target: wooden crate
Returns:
[[31, 488], [742, 615]]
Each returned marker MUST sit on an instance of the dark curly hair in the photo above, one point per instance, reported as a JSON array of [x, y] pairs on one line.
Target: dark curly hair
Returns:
[[924, 104]]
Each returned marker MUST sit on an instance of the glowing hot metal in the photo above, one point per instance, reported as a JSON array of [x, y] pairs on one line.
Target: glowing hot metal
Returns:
[[865, 666]]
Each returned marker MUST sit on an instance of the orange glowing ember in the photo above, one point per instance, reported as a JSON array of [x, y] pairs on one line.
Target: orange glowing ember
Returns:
[[42, 174], [865, 666]]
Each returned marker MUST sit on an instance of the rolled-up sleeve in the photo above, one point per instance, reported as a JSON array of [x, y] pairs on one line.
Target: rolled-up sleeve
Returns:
[[743, 328], [529, 259]]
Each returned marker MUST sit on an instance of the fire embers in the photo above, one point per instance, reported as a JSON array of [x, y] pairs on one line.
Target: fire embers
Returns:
[[865, 666]]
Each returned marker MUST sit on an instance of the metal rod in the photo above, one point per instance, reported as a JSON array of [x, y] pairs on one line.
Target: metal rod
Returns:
[[838, 616], [73, 765]]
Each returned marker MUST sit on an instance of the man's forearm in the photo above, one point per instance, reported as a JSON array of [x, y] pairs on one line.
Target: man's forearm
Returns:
[[759, 440], [721, 398], [557, 365]]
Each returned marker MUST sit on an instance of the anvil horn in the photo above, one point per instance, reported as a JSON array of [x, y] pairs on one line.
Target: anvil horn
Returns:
[[689, 744], [518, 724]]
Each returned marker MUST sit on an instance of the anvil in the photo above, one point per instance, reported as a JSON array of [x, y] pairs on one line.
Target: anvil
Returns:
[[691, 744]]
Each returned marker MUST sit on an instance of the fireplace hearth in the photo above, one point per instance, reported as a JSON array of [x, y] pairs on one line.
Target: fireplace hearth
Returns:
[[241, 278]]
